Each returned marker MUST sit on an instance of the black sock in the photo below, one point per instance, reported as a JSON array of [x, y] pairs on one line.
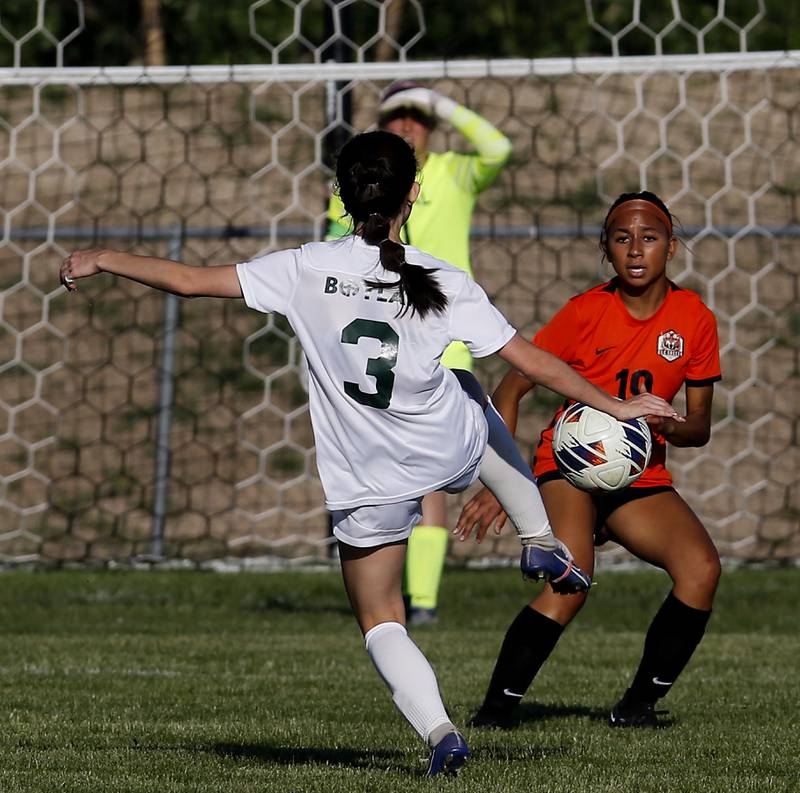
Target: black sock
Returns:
[[672, 637], [529, 641]]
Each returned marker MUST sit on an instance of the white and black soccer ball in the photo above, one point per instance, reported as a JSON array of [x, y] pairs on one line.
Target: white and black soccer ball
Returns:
[[595, 451]]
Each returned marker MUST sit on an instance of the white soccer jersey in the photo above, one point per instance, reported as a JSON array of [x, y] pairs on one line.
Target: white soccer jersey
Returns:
[[390, 422]]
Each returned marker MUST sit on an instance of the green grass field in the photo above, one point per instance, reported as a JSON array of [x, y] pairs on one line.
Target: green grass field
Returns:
[[125, 681]]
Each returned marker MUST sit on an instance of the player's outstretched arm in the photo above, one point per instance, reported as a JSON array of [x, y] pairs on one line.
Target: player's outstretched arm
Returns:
[[164, 274], [507, 396], [546, 369], [492, 146]]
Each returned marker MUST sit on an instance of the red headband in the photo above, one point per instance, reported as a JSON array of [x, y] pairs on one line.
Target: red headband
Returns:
[[644, 205]]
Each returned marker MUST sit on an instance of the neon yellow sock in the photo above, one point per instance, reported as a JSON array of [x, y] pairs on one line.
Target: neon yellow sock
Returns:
[[427, 549]]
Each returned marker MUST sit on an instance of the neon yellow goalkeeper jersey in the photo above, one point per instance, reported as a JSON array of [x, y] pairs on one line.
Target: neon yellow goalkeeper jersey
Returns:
[[440, 220]]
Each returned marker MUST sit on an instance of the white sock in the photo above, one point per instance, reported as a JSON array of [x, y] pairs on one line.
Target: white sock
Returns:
[[509, 477], [409, 676]]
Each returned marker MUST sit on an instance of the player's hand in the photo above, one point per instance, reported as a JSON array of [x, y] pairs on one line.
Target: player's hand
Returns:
[[422, 99], [479, 513], [646, 404], [427, 101], [658, 425], [79, 264]]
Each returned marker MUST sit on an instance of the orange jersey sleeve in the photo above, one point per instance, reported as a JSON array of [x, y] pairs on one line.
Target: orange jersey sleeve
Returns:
[[560, 335], [598, 337], [704, 368]]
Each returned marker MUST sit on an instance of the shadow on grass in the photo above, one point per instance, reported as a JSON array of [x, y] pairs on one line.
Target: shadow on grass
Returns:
[[536, 711], [375, 760], [312, 755], [291, 605], [539, 712]]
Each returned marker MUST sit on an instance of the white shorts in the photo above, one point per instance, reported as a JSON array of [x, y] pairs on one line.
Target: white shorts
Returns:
[[376, 524], [380, 524], [466, 478]]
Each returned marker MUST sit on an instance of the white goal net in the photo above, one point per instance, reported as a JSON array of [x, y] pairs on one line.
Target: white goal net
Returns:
[[132, 426]]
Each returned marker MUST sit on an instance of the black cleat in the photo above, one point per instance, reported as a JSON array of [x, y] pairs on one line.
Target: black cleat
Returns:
[[631, 713], [492, 718]]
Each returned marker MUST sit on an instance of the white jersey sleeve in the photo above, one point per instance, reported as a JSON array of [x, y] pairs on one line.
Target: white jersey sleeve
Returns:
[[476, 322], [268, 282]]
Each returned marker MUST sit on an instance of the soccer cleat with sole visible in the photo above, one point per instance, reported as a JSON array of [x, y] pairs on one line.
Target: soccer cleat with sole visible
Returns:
[[448, 755], [554, 566], [631, 713]]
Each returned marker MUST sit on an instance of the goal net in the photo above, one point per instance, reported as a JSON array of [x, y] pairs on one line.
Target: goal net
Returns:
[[136, 427]]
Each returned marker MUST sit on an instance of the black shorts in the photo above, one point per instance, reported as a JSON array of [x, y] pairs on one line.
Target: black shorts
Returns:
[[607, 503]]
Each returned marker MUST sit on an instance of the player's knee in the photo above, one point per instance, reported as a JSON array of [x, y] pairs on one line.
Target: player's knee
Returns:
[[369, 621], [700, 575], [708, 567], [561, 608]]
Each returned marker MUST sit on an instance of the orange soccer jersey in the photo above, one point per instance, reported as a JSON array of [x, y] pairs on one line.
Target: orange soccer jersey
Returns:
[[596, 335]]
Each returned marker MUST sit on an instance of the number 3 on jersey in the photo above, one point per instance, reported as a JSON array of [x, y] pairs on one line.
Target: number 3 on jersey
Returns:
[[379, 368]]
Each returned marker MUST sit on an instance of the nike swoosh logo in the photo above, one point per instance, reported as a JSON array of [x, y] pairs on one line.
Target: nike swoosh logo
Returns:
[[601, 350], [659, 682], [510, 693]]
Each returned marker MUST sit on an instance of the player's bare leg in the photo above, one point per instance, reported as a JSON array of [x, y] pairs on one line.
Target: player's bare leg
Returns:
[[434, 510], [663, 530], [572, 516], [372, 578]]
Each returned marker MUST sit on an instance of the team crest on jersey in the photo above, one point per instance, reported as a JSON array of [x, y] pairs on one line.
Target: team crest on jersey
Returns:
[[670, 345]]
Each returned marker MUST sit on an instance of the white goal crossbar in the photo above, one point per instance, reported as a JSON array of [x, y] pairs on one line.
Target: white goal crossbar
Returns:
[[420, 70]]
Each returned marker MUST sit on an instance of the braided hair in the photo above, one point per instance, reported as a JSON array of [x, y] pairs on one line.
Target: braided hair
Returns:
[[375, 172]]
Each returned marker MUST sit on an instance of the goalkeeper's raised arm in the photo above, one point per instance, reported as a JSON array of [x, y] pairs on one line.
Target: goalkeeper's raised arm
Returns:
[[413, 112], [492, 147]]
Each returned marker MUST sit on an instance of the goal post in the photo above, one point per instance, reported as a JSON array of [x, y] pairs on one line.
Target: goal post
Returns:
[[219, 164]]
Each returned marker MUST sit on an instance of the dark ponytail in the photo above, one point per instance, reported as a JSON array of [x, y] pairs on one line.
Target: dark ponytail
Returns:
[[375, 172]]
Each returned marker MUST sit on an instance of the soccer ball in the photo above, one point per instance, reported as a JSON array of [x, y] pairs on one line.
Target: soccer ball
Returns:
[[594, 451]]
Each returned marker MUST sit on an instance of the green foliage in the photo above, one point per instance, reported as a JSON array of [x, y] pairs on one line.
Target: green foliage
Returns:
[[192, 681], [524, 29], [111, 36], [199, 32]]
